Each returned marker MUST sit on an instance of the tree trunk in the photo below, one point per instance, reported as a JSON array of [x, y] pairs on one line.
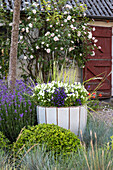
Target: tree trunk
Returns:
[[14, 45]]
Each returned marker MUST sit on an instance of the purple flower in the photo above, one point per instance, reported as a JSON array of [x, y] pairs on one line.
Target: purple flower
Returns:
[[21, 115]]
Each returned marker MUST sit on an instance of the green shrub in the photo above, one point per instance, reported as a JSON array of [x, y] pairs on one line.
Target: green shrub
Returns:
[[4, 142], [55, 138]]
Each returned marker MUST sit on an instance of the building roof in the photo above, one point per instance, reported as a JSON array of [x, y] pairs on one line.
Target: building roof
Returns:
[[95, 8]]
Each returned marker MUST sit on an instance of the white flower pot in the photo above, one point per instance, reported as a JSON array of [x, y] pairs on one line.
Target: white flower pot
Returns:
[[73, 118]]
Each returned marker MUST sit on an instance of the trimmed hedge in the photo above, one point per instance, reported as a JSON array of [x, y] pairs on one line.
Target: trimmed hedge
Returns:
[[55, 138]]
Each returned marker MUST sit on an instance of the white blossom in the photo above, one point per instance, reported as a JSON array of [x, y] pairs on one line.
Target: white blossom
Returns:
[[34, 11], [65, 20], [25, 57], [30, 25], [50, 26], [73, 20], [95, 40], [93, 53], [29, 17], [23, 29], [90, 35], [47, 45], [68, 6], [52, 35], [47, 33], [71, 48], [78, 33], [31, 56], [42, 43], [37, 47], [11, 24], [61, 48], [48, 50], [56, 38], [99, 47], [69, 17], [65, 12], [27, 29], [21, 37], [93, 29]]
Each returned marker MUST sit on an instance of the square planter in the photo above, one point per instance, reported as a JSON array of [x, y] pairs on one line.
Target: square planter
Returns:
[[73, 118]]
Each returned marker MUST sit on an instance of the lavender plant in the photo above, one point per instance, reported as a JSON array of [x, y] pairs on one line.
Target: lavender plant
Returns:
[[16, 109]]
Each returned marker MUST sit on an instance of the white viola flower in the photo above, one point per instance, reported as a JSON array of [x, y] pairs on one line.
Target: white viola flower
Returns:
[[73, 20], [90, 35], [56, 30], [48, 50], [31, 56], [58, 35], [71, 48], [99, 47], [52, 35], [42, 43], [62, 25], [47, 33], [69, 35], [65, 20], [69, 17], [95, 40], [25, 57], [51, 26], [27, 29], [29, 17], [30, 25], [61, 48], [34, 11], [56, 38], [78, 33], [68, 6], [80, 54], [93, 29], [21, 37], [93, 53], [71, 26], [23, 29], [37, 47]]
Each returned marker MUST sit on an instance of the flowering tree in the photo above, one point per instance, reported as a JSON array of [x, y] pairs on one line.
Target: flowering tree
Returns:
[[55, 31]]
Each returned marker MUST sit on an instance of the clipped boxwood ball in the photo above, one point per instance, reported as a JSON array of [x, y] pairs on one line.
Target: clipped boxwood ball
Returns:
[[4, 142], [55, 139]]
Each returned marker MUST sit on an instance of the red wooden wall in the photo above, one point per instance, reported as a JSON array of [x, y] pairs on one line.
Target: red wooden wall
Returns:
[[100, 63]]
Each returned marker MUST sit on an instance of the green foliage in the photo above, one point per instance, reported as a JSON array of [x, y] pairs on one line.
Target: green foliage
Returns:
[[55, 139], [4, 142], [94, 104]]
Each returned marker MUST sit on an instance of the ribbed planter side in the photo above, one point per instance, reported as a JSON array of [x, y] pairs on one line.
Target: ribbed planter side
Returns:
[[73, 118]]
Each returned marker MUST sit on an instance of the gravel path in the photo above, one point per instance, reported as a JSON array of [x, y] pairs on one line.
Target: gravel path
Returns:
[[105, 114]]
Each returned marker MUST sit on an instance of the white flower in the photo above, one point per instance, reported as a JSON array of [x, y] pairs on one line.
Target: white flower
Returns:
[[48, 50], [42, 42], [72, 42], [47, 45], [11, 24], [73, 20], [93, 53], [37, 47], [80, 54], [78, 33], [0, 67], [52, 35], [50, 26], [27, 29], [29, 17], [30, 25], [56, 30], [25, 57], [71, 26], [56, 23], [84, 14], [56, 38], [65, 20], [90, 35], [95, 40], [93, 29], [68, 6], [23, 29], [69, 17], [47, 19], [31, 56], [94, 45], [83, 27], [71, 48], [47, 33], [65, 12], [69, 35], [99, 47], [58, 35], [62, 25], [21, 37], [61, 48], [34, 11]]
